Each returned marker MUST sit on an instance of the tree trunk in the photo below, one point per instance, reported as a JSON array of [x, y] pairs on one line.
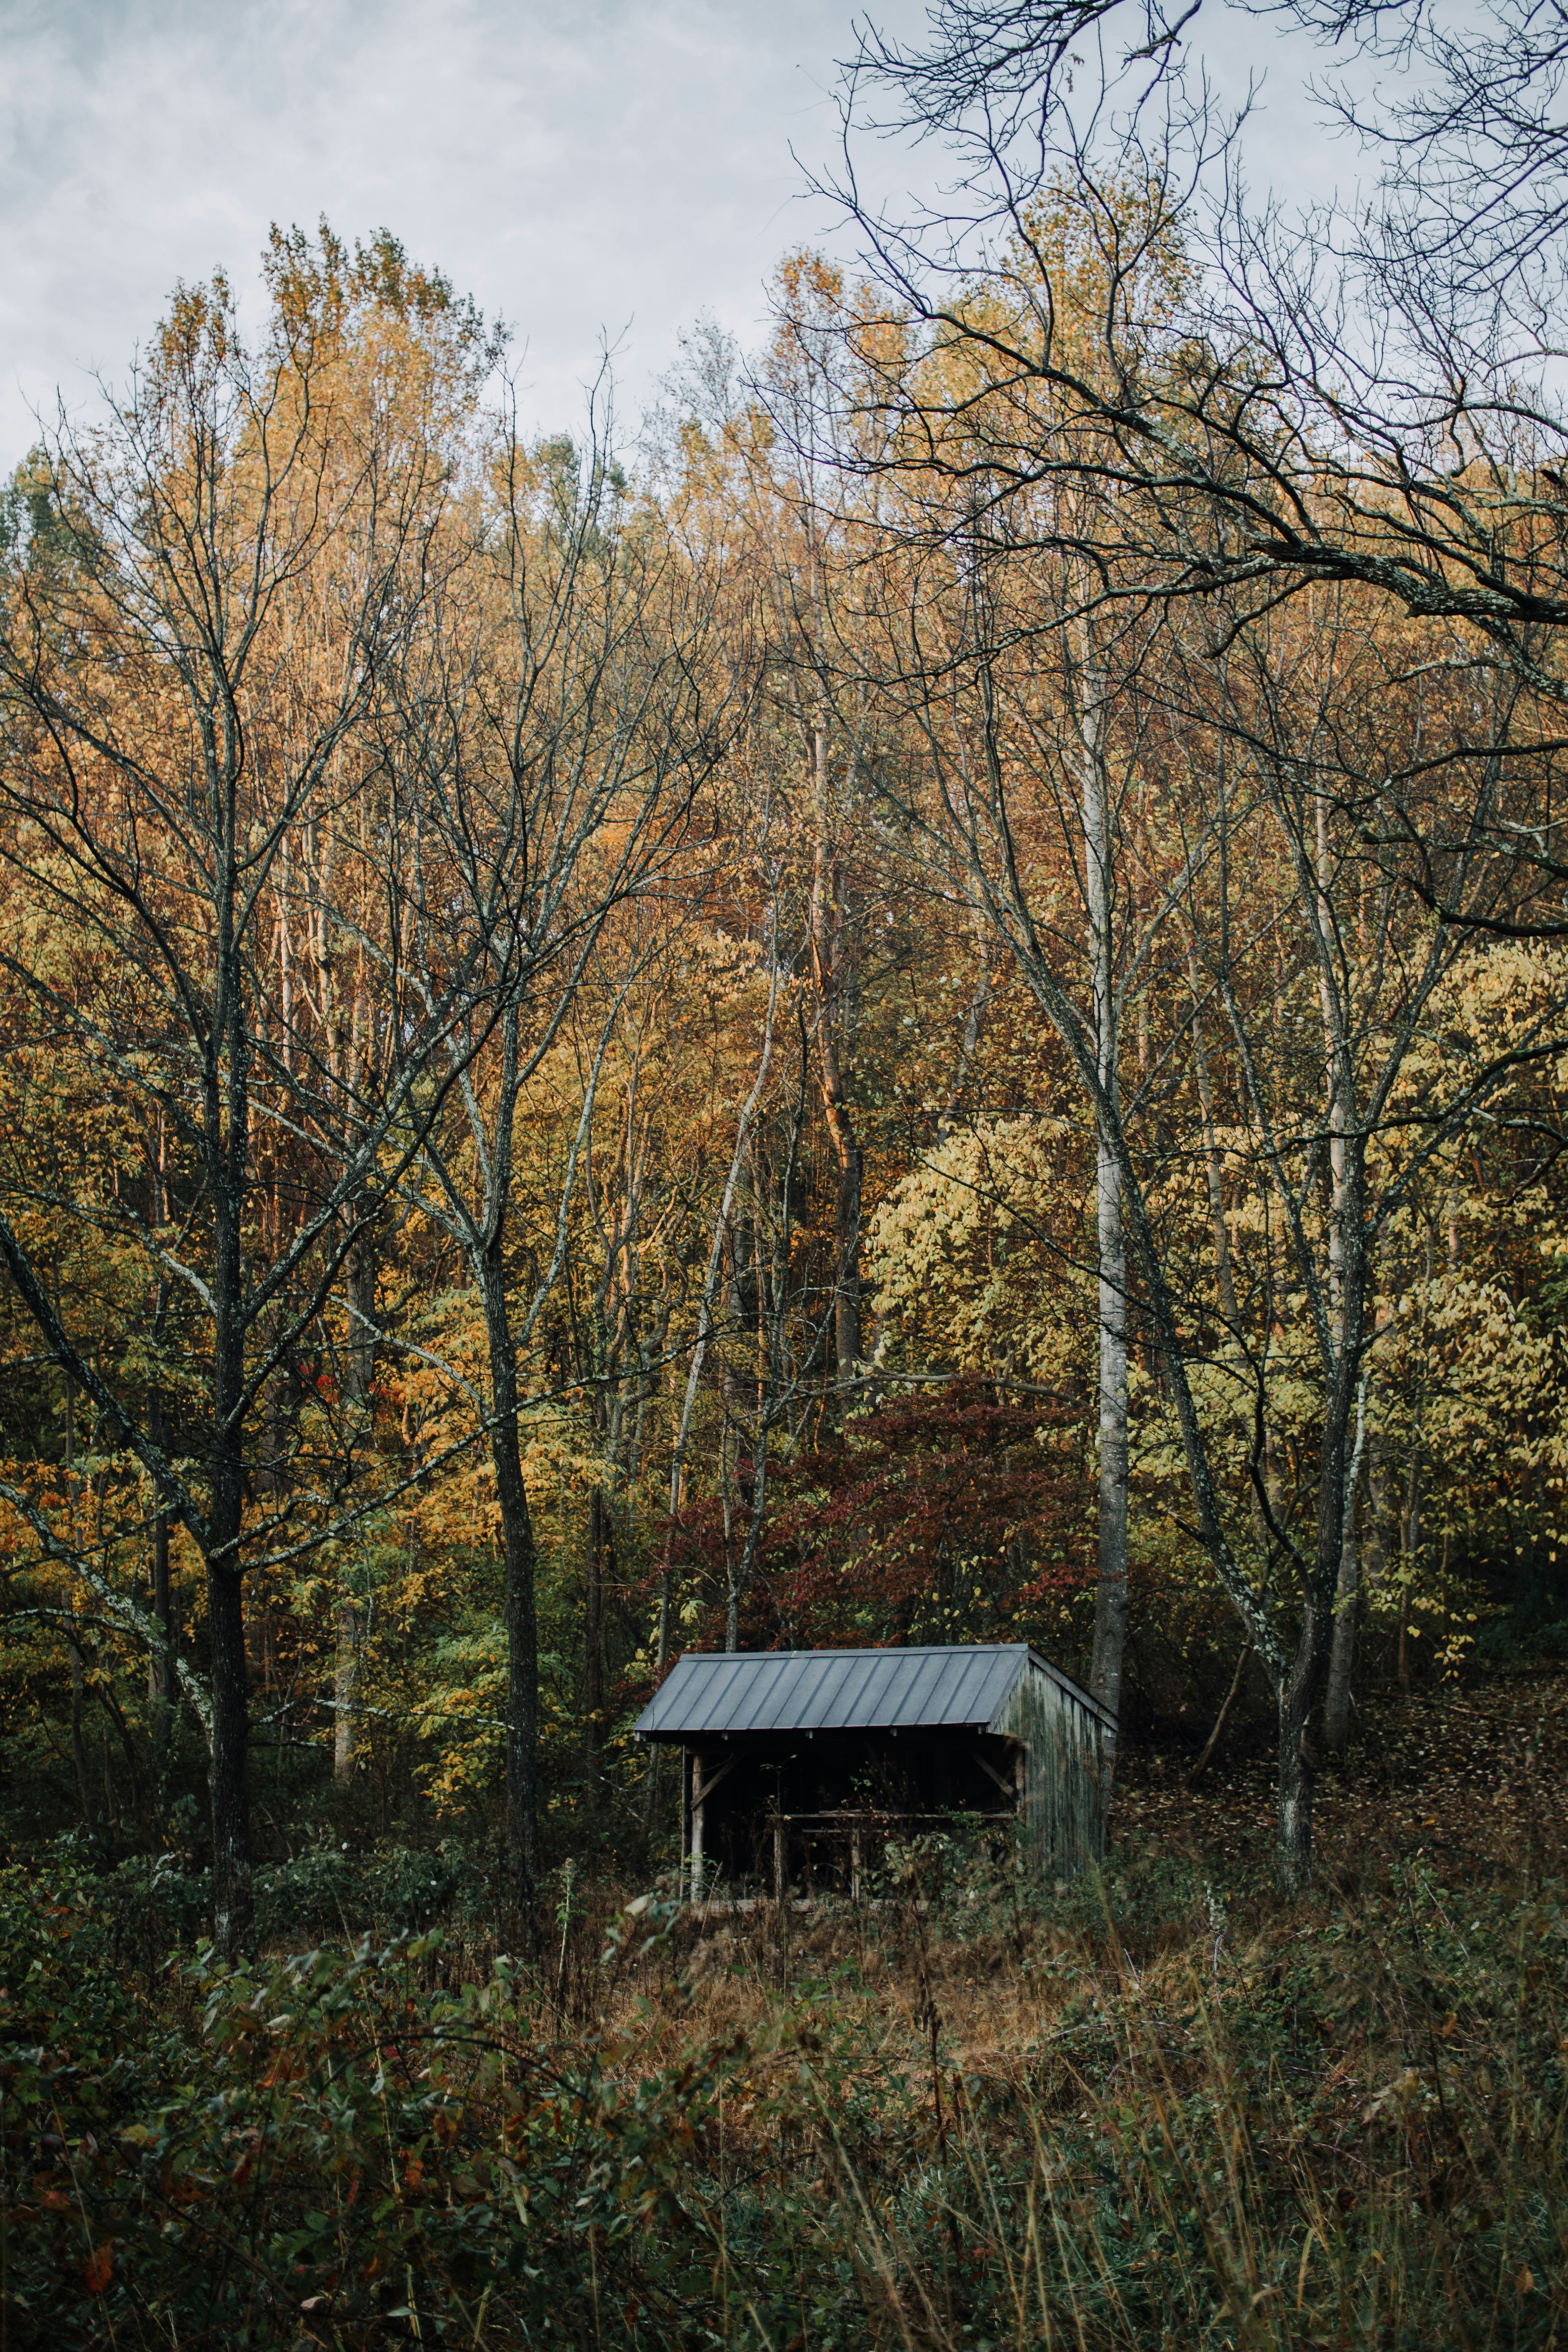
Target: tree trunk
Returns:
[[848, 1344], [86, 1793], [1347, 1605], [520, 1561], [1110, 1591], [828, 958], [346, 1677], [1342, 1651], [1346, 1575], [601, 1541], [161, 1678], [1296, 1771], [741, 1574], [160, 1664], [1301, 1687], [1382, 1520], [232, 1900], [233, 1897], [1223, 1717], [360, 1367], [1224, 1273], [234, 1916], [116, 1715], [160, 1681]]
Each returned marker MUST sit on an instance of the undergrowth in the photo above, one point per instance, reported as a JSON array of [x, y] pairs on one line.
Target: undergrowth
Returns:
[[1155, 2111]]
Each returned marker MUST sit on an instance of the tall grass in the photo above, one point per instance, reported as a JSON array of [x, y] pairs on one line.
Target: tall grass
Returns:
[[1143, 2114]]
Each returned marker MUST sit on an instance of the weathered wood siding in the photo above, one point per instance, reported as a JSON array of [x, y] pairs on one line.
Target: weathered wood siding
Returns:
[[1064, 1745]]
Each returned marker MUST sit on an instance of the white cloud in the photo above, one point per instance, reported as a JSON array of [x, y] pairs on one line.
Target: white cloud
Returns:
[[607, 167], [602, 168]]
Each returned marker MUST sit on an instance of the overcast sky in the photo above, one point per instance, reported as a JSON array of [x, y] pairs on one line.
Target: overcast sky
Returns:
[[608, 167]]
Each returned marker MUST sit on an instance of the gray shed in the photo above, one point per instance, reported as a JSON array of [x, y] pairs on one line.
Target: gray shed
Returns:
[[797, 1763]]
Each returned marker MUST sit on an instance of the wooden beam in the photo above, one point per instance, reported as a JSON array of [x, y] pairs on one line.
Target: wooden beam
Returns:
[[1008, 1787], [709, 1786]]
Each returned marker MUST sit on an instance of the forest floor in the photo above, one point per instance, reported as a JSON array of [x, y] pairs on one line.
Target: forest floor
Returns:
[[1462, 1776]]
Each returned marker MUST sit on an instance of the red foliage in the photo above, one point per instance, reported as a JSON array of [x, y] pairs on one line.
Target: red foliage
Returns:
[[941, 1516]]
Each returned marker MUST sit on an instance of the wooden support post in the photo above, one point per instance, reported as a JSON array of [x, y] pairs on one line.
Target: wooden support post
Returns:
[[780, 1859], [855, 1864], [698, 1794]]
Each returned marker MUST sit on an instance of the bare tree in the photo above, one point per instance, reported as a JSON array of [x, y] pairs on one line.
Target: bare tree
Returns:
[[194, 651], [1270, 400]]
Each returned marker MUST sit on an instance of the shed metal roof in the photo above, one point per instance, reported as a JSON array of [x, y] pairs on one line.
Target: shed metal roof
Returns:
[[721, 1693]]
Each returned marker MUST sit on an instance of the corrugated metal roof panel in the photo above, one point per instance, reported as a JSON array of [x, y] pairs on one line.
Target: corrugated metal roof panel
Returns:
[[832, 1690]]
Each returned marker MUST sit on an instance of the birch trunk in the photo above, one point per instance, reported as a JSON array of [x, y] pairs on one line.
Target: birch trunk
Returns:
[[1347, 1605], [1110, 1590]]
